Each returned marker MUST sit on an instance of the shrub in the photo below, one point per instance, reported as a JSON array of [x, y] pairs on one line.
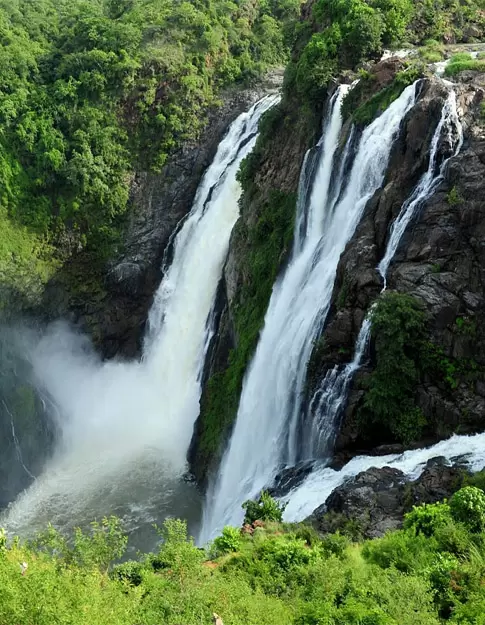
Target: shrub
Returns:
[[462, 66], [468, 507], [398, 327], [230, 540], [131, 572], [334, 545], [401, 550], [265, 509], [454, 197], [427, 518]]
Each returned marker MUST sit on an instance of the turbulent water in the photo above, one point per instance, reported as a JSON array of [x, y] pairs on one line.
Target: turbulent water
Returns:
[[319, 484], [265, 435], [126, 427]]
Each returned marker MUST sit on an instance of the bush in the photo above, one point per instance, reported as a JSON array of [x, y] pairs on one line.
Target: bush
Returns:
[[427, 518], [131, 572], [401, 550], [468, 507], [265, 509], [230, 540], [462, 66], [334, 545], [398, 328]]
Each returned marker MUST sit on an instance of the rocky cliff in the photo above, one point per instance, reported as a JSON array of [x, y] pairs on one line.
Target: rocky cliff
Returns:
[[111, 302], [440, 262]]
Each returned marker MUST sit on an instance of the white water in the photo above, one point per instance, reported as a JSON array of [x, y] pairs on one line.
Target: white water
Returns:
[[332, 395], [329, 400], [265, 434], [314, 491], [126, 427], [449, 125]]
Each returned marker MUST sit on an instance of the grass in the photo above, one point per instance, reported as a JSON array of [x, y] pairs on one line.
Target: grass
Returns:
[[26, 261], [464, 62]]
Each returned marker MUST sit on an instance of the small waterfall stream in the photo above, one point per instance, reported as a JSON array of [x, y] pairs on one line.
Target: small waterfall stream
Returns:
[[265, 434]]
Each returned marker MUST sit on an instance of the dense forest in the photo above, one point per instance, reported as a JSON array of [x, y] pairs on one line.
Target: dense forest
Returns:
[[92, 90]]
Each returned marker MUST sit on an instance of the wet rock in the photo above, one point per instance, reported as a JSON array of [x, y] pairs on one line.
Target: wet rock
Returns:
[[376, 500], [290, 478], [440, 260]]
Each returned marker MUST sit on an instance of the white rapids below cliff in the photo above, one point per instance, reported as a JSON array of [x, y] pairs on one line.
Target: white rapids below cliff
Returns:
[[313, 492]]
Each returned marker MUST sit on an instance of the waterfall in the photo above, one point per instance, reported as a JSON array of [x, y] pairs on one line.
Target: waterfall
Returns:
[[265, 433], [126, 427], [330, 399], [449, 125]]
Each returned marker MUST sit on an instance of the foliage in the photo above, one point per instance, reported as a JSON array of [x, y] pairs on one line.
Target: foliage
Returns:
[[398, 327], [407, 577], [347, 32], [468, 506], [432, 51], [454, 197], [426, 519], [264, 509], [378, 103], [456, 67], [229, 540], [91, 90]]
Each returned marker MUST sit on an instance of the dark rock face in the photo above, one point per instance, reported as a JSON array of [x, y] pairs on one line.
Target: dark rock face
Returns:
[[440, 260], [112, 303], [290, 478], [376, 500]]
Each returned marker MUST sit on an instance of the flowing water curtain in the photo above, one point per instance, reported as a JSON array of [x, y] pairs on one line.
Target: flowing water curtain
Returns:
[[266, 430], [126, 426]]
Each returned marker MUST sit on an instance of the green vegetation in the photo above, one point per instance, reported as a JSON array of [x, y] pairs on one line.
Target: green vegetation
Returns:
[[264, 245], [398, 326], [379, 102], [352, 31], [404, 357], [473, 65], [431, 572], [91, 90], [454, 197], [463, 61], [432, 51], [265, 509]]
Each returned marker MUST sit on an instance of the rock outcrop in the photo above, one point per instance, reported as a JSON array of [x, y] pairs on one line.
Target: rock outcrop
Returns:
[[111, 303], [376, 500]]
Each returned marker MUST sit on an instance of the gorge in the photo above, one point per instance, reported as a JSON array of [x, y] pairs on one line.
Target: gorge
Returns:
[[253, 279]]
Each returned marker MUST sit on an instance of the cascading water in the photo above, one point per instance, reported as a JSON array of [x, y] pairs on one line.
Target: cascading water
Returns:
[[315, 489], [329, 400], [126, 427], [264, 436]]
